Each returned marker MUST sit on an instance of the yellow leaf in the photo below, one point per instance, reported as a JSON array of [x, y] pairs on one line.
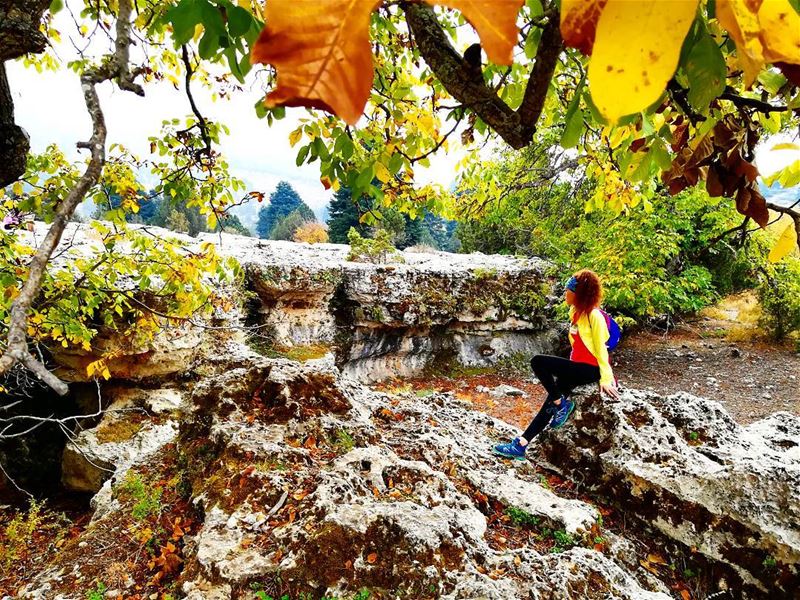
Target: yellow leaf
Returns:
[[780, 31], [295, 136], [785, 244], [786, 146], [742, 23], [636, 52], [382, 173]]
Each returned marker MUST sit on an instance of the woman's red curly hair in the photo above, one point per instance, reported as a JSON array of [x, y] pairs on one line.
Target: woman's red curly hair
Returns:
[[588, 293]]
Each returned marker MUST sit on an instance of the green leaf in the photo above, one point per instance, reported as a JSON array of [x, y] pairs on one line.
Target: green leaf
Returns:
[[239, 21], [395, 163], [771, 80], [56, 5], [209, 44], [302, 154], [705, 68], [184, 17], [573, 126]]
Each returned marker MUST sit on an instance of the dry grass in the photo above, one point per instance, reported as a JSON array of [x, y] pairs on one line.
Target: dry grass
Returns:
[[738, 317]]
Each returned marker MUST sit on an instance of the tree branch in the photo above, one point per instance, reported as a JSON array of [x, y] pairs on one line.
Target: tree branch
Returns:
[[760, 106], [17, 349], [466, 84]]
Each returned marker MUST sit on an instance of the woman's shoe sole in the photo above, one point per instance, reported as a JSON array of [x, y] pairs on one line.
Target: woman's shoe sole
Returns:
[[511, 456]]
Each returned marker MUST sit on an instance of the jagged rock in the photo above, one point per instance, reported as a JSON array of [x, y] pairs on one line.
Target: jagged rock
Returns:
[[684, 465], [298, 471], [125, 434], [573, 516], [500, 391]]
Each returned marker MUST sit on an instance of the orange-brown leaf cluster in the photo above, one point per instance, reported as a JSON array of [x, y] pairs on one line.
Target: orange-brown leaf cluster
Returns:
[[323, 56]]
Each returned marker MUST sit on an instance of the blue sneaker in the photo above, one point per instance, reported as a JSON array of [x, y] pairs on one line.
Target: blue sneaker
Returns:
[[562, 414], [512, 449]]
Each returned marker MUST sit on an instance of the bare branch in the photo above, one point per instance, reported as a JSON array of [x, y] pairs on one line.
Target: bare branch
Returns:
[[16, 348], [465, 82]]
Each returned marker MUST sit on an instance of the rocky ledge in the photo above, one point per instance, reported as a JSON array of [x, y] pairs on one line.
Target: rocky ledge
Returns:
[[380, 320], [282, 477]]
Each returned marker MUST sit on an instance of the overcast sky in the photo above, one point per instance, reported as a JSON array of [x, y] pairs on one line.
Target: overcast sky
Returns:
[[50, 107]]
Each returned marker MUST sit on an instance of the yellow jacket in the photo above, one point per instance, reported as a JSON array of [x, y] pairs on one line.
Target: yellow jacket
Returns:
[[594, 334]]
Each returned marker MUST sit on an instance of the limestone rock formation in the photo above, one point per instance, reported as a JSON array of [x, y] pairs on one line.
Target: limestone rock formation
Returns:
[[292, 469], [379, 320], [682, 463]]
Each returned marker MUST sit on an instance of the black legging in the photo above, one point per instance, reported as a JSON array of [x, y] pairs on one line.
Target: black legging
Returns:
[[558, 376]]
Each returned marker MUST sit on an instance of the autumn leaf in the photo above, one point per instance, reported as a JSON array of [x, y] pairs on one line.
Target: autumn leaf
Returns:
[[763, 32], [323, 57], [496, 24], [579, 22], [785, 244], [372, 558], [636, 52]]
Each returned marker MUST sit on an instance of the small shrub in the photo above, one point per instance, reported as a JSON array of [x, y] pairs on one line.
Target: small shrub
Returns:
[[770, 562], [344, 441], [563, 539], [779, 293], [17, 538], [377, 250], [98, 593], [521, 518], [146, 500]]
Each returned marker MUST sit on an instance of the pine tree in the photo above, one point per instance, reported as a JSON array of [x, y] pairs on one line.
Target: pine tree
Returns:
[[343, 213], [283, 201]]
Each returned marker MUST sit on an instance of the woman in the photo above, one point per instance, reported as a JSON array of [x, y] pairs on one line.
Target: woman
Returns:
[[587, 363]]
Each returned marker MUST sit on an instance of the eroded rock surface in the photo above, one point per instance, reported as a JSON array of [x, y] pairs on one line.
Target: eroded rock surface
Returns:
[[684, 465], [293, 470], [380, 320]]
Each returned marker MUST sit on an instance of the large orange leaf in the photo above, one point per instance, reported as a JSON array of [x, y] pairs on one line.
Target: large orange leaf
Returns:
[[636, 50], [496, 24], [579, 22], [321, 50]]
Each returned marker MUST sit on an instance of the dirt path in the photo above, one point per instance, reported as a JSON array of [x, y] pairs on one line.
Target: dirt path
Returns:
[[752, 379]]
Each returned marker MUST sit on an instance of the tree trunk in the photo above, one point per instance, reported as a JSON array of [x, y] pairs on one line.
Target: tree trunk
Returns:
[[19, 35]]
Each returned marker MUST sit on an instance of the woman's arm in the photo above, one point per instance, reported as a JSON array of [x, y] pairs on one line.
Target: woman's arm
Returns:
[[600, 336]]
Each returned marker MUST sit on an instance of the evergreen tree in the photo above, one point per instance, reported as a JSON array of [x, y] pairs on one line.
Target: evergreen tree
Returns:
[[343, 213], [230, 223], [285, 228], [282, 201]]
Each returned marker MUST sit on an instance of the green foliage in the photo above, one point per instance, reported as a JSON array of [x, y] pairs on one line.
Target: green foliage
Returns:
[[282, 202], [663, 257], [344, 213], [98, 593], [145, 499], [563, 540], [377, 250], [521, 518], [779, 293], [17, 538], [343, 441]]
